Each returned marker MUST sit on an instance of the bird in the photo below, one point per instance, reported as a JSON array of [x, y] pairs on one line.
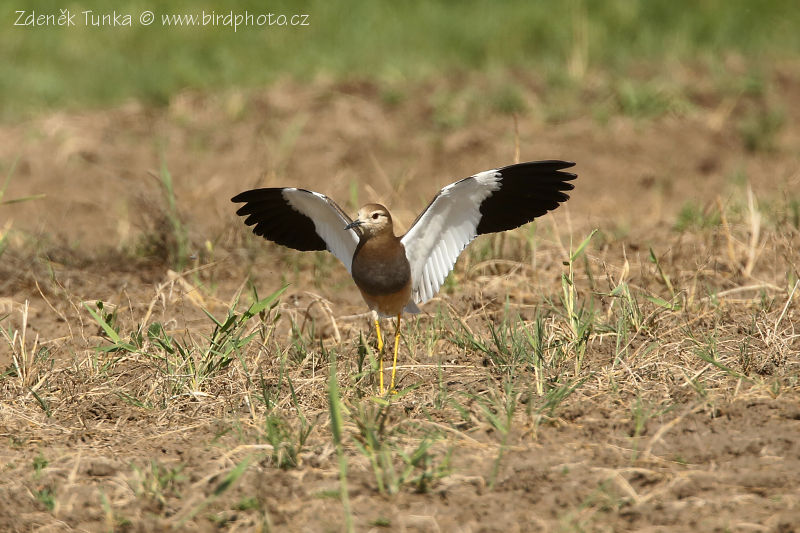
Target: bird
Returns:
[[394, 273]]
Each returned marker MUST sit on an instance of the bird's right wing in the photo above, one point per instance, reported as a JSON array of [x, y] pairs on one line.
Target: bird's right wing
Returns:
[[490, 201], [300, 219]]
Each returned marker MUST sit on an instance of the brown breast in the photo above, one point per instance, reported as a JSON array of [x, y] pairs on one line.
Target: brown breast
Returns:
[[382, 273]]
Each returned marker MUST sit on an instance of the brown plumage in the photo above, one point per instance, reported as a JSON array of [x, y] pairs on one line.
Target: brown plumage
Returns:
[[380, 267], [381, 271]]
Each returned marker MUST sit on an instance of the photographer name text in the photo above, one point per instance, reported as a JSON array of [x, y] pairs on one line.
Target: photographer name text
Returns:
[[113, 19]]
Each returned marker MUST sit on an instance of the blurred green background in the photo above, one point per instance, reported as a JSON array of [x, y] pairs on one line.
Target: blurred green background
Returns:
[[56, 67]]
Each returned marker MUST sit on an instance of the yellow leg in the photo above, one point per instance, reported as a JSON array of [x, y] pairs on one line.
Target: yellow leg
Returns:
[[380, 352], [396, 345]]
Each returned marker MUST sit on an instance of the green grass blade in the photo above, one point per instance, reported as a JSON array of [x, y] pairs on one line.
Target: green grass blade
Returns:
[[232, 476], [227, 482], [336, 430], [578, 251], [23, 199], [112, 334], [261, 305]]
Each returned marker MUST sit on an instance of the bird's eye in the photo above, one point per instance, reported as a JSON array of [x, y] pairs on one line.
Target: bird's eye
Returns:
[[374, 216]]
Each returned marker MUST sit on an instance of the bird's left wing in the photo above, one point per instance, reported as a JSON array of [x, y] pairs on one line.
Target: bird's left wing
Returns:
[[300, 219], [490, 201]]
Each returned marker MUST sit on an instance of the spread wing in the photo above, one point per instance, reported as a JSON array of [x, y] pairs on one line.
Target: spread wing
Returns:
[[300, 219], [490, 201]]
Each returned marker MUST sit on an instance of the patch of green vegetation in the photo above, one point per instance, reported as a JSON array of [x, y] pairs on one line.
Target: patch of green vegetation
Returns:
[[57, 66], [452, 109], [39, 464], [793, 212], [759, 129], [246, 504], [327, 494], [645, 100], [335, 406], [166, 238], [5, 231], [228, 481], [692, 217], [579, 313], [286, 435], [394, 465], [508, 99], [158, 482], [498, 409], [111, 516], [47, 497], [708, 350], [186, 363], [179, 243]]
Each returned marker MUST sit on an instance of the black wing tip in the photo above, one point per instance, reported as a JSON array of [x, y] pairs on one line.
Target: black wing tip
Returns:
[[545, 165], [244, 196], [544, 170], [272, 217], [261, 194], [529, 191], [560, 163], [255, 194]]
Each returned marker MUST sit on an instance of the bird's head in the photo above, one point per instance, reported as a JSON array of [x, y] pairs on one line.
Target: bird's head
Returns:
[[373, 219]]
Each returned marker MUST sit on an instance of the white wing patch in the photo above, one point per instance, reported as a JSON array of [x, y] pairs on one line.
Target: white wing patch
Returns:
[[443, 231], [328, 222]]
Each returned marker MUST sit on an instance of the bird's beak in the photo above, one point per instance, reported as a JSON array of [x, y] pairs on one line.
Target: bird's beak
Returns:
[[354, 223]]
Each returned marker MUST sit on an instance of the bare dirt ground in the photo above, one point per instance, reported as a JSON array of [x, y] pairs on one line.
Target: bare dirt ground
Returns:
[[679, 410]]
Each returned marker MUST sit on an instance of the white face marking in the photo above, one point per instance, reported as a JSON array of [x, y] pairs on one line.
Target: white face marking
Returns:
[[374, 219]]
